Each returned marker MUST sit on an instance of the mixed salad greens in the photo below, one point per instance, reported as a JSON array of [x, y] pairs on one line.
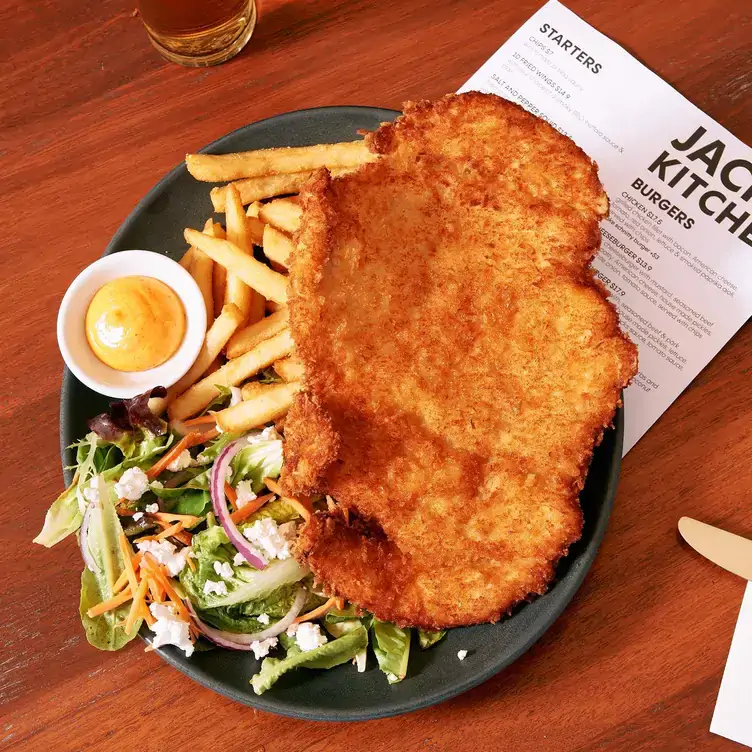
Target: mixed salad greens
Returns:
[[162, 545]]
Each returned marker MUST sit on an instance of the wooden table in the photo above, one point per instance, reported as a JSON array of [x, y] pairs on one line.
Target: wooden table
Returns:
[[91, 119]]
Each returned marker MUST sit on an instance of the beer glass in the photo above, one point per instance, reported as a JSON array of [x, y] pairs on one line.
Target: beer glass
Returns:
[[198, 32]]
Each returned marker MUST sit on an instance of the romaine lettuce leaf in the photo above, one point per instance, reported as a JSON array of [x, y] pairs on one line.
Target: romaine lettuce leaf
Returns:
[[62, 518], [280, 511], [247, 584], [426, 639], [391, 644], [104, 631], [241, 617], [340, 628], [256, 462], [332, 654]]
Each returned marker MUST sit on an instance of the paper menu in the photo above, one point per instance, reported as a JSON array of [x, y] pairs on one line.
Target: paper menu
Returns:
[[676, 249], [731, 717]]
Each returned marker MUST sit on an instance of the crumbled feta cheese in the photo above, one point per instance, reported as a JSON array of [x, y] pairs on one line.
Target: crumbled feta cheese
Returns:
[[152, 508], [309, 636], [236, 396], [169, 629], [262, 647], [138, 516], [228, 473], [268, 434], [271, 539], [215, 587], [180, 462], [244, 490], [156, 484], [263, 619], [166, 553], [238, 560], [462, 654], [132, 485], [223, 569]]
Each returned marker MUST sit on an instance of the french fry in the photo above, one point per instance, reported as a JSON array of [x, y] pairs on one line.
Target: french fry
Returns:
[[266, 406], [269, 186], [283, 213], [246, 339], [219, 333], [238, 233], [214, 168], [290, 369], [272, 285], [277, 246], [201, 270], [254, 389], [187, 260], [215, 365], [255, 229], [232, 373], [253, 209], [272, 307], [219, 275]]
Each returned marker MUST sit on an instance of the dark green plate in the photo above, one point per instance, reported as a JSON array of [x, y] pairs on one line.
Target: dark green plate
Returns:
[[342, 694]]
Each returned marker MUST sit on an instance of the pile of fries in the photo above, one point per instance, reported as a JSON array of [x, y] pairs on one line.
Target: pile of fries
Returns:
[[245, 289]]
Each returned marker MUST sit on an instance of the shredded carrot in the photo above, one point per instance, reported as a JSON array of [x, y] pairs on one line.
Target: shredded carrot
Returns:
[[110, 604], [302, 506], [168, 531], [138, 601], [161, 464], [188, 520], [317, 612], [202, 438], [157, 595], [191, 564], [121, 582], [183, 535], [146, 615], [231, 494], [346, 515], [127, 552], [340, 603], [164, 582], [252, 506], [201, 420]]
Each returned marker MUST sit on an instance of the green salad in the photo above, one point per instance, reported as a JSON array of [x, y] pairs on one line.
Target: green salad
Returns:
[[190, 535]]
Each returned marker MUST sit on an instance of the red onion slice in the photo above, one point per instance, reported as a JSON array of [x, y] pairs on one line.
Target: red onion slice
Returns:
[[235, 641], [219, 502]]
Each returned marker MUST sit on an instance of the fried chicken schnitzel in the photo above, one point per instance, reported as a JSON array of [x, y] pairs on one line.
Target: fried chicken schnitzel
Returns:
[[461, 362]]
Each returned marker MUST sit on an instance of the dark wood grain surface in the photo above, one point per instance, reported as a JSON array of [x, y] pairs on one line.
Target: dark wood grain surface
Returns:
[[90, 119]]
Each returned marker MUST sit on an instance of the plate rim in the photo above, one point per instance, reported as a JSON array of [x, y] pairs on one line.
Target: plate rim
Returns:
[[267, 702]]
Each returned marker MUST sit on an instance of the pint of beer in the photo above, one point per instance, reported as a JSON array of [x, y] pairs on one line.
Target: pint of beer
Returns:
[[198, 32]]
